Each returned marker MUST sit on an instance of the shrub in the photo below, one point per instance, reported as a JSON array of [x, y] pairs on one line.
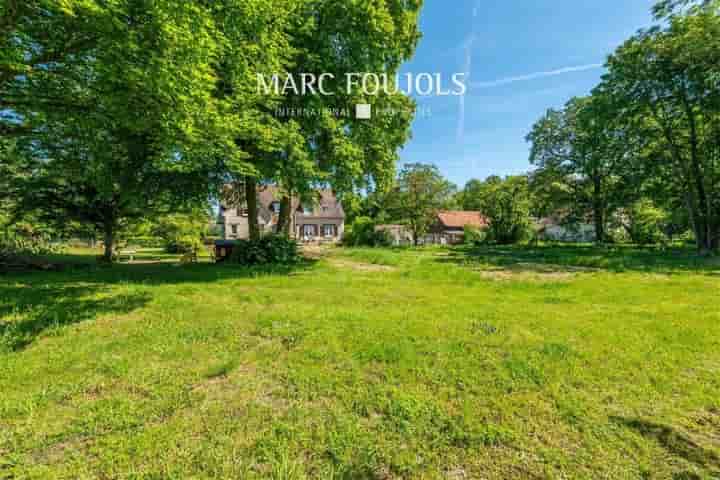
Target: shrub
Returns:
[[13, 248], [146, 242], [362, 233], [268, 250], [473, 235], [184, 244], [647, 223], [183, 233], [687, 238], [506, 204]]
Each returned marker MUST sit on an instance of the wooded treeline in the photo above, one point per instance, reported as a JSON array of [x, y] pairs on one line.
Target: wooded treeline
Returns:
[[115, 111], [649, 134]]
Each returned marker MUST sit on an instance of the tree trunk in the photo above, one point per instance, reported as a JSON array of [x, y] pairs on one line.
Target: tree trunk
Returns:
[[598, 211], [283, 225], [703, 229], [415, 234], [252, 207], [109, 244]]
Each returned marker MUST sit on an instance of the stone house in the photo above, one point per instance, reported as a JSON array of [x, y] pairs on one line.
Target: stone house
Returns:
[[321, 220]]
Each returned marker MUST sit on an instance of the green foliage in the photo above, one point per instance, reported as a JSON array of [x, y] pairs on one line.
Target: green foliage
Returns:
[[469, 197], [667, 83], [362, 233], [420, 192], [183, 233], [506, 204], [117, 109], [129, 109], [649, 130], [268, 250], [473, 235], [146, 242], [577, 151], [15, 248], [647, 223], [667, 8]]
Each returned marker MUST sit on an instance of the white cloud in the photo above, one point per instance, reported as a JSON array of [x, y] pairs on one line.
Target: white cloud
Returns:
[[535, 76]]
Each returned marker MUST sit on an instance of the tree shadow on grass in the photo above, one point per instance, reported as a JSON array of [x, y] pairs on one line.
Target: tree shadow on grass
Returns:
[[157, 273], [584, 258], [26, 312], [675, 443], [32, 303]]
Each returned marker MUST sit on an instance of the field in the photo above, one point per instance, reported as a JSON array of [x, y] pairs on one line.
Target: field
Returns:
[[544, 362]]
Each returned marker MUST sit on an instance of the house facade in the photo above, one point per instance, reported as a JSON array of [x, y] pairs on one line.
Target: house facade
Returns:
[[321, 220], [449, 226]]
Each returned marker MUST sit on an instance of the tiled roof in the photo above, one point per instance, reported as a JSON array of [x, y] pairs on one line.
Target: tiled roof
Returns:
[[458, 219], [327, 205]]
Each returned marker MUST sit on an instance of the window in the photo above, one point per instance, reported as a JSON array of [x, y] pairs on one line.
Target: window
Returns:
[[275, 207], [242, 212], [309, 231], [234, 230], [329, 230]]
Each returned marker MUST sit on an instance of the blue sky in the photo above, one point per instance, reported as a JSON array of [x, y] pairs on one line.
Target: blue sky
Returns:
[[523, 57]]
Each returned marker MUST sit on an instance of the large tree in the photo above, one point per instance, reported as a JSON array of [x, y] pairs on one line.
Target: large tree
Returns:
[[141, 119], [667, 80], [577, 150], [668, 8], [330, 146], [506, 203], [49, 43], [140, 90], [421, 191]]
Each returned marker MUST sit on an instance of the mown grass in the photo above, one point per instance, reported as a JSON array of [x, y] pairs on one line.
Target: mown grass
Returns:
[[491, 363]]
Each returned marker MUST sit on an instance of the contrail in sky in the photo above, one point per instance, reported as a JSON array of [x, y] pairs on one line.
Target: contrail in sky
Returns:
[[466, 69], [536, 75]]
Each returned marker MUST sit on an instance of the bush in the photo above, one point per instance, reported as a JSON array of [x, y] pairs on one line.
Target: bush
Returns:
[[14, 247], [647, 223], [146, 242], [473, 236], [506, 204], [185, 244], [362, 233], [687, 238], [269, 250], [183, 233]]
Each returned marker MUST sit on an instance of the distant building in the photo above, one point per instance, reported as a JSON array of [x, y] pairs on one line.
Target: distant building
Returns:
[[556, 228], [398, 234], [447, 229]]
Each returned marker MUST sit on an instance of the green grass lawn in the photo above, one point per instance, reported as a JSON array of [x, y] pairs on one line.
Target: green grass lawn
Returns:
[[542, 362]]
